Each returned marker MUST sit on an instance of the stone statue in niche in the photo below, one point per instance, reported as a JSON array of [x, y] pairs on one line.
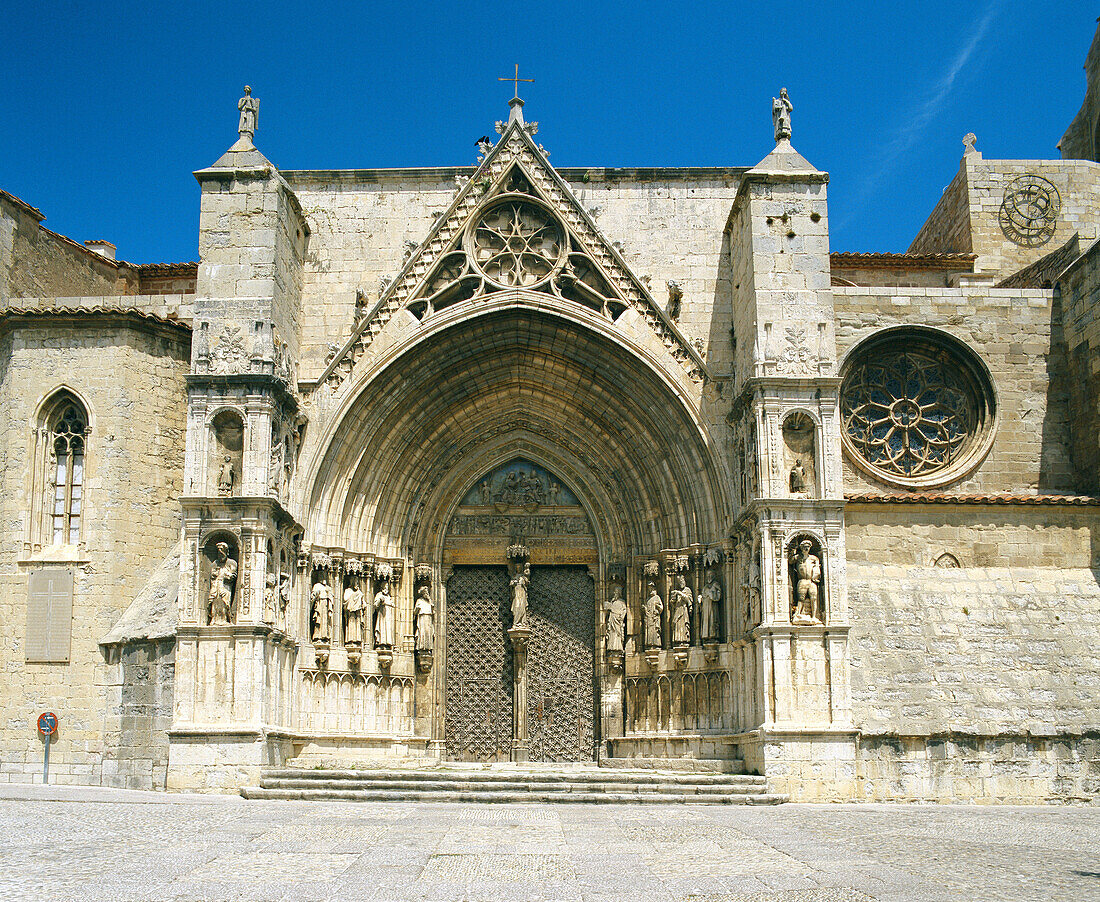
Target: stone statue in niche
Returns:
[[424, 618], [353, 614], [553, 496], [798, 478], [226, 478], [270, 592], [322, 599], [781, 116], [652, 609], [485, 493], [616, 620], [385, 617], [798, 444], [519, 583], [284, 600], [223, 578], [752, 589], [680, 602], [805, 567], [710, 600]]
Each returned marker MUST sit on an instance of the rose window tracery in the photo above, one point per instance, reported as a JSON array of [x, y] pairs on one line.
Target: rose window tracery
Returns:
[[915, 411], [517, 243]]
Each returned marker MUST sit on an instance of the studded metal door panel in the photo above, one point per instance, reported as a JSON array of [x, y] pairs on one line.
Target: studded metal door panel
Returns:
[[478, 719], [561, 698]]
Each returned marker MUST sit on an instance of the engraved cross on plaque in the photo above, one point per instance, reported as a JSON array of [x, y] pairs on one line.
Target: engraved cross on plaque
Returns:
[[515, 79]]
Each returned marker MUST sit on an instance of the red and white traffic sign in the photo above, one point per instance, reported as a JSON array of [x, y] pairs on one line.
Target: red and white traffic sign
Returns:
[[47, 723]]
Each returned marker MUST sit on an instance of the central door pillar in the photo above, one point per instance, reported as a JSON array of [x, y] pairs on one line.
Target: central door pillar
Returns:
[[519, 637]]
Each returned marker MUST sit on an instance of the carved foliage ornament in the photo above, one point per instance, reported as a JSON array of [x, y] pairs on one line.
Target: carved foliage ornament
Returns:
[[1029, 211], [917, 409]]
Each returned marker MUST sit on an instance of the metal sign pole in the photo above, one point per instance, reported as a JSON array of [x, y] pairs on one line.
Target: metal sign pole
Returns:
[[46, 761]]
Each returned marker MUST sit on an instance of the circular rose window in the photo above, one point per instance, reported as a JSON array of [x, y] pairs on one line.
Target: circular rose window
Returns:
[[517, 243], [916, 408]]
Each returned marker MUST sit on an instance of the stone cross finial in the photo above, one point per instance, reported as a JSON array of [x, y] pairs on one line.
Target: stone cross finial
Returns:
[[781, 116], [969, 140], [250, 114]]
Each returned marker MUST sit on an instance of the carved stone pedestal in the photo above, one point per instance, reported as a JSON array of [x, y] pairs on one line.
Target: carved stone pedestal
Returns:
[[519, 636], [653, 656], [385, 656], [615, 661], [321, 650], [424, 658], [354, 655], [680, 655], [710, 651]]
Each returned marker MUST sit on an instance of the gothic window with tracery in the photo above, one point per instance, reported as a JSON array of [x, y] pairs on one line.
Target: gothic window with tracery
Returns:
[[68, 429], [916, 407], [517, 244]]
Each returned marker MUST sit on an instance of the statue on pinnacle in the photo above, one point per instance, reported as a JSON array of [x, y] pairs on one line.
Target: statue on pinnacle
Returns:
[[781, 116], [250, 114]]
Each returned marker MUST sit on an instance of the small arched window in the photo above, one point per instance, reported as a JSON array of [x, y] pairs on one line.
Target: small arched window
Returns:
[[67, 429]]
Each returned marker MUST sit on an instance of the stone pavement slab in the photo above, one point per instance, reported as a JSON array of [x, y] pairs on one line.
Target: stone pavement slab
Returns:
[[102, 845]]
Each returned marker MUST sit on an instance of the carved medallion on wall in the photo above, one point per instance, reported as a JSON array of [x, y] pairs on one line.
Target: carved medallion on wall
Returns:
[[1029, 211]]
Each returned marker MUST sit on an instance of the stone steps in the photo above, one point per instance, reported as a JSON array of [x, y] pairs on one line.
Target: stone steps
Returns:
[[512, 784]]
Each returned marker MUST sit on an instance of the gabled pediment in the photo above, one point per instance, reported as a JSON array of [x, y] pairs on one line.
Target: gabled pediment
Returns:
[[516, 224]]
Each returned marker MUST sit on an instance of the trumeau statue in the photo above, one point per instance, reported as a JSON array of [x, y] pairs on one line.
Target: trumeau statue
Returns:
[[250, 114], [226, 478], [652, 609], [781, 116], [711, 601], [223, 576], [424, 618], [385, 617], [353, 614], [806, 575], [616, 619], [322, 610], [680, 603], [519, 584]]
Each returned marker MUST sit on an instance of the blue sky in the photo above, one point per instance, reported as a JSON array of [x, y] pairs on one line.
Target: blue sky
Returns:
[[107, 108]]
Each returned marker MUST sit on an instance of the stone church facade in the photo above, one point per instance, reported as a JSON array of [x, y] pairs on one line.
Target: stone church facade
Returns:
[[515, 463]]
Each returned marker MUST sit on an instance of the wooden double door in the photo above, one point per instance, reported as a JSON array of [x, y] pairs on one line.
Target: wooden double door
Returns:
[[479, 722]]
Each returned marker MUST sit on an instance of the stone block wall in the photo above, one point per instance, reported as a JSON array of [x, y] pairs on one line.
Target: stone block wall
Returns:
[[130, 371], [139, 683], [1079, 292], [947, 229], [1017, 333]]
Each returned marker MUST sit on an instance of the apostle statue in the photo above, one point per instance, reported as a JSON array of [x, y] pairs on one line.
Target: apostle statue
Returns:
[[519, 584], [806, 575], [798, 478], [284, 600], [353, 614], [223, 576], [250, 114], [424, 618], [710, 600], [616, 619], [226, 478], [385, 617], [781, 116], [322, 610], [269, 599], [652, 608], [680, 603]]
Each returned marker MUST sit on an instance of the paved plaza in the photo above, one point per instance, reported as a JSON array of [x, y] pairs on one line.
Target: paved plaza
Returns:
[[94, 844]]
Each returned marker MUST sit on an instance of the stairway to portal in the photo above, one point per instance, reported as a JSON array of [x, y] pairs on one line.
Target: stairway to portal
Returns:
[[513, 783]]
